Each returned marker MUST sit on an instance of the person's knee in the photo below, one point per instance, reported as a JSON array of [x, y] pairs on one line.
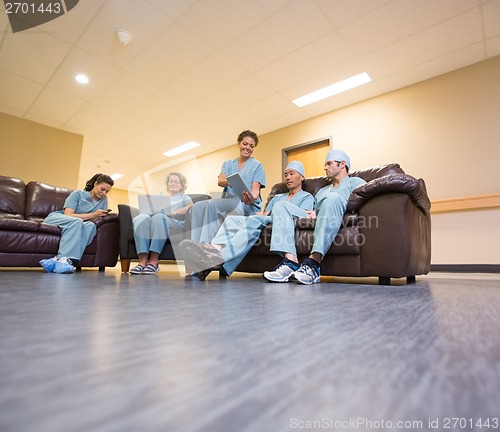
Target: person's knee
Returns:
[[280, 207]]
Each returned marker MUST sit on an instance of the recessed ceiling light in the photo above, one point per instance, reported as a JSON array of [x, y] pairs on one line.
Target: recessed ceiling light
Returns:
[[116, 176], [82, 79], [331, 90], [184, 147]]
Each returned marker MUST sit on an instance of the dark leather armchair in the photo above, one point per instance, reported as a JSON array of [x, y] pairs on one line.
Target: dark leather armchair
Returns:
[[127, 243]]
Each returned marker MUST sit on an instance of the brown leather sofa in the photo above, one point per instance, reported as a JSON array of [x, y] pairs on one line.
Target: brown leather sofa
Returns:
[[127, 242], [386, 230], [25, 239]]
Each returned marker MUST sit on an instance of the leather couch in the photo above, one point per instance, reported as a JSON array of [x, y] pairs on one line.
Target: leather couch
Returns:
[[25, 239], [386, 230], [127, 243]]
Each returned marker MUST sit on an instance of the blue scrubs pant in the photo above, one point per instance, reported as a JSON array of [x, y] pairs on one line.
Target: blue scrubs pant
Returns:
[[151, 232], [76, 234], [237, 235], [207, 216], [283, 232], [330, 211]]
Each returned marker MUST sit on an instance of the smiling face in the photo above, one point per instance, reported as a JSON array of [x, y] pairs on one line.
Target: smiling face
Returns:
[[100, 190], [174, 185], [246, 146]]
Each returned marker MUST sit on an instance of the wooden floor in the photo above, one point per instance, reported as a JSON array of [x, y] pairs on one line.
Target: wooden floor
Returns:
[[109, 352]]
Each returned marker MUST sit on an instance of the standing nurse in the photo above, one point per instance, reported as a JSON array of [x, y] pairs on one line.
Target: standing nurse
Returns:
[[207, 216], [76, 220]]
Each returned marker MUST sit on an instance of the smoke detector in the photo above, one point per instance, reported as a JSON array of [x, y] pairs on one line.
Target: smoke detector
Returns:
[[123, 36]]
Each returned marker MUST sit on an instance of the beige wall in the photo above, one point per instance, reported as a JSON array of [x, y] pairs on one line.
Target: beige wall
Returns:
[[33, 152]]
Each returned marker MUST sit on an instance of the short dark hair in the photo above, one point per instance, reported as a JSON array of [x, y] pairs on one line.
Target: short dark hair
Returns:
[[98, 178], [248, 133]]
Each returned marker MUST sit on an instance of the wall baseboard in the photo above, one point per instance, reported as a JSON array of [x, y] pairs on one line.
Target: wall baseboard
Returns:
[[466, 268]]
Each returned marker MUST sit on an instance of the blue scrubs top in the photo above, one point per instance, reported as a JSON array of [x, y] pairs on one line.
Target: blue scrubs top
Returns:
[[303, 199], [82, 203]]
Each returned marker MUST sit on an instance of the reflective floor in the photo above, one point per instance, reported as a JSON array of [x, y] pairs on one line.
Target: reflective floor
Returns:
[[113, 352]]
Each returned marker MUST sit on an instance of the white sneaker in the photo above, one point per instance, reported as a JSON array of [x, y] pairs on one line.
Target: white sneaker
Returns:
[[306, 274], [281, 273]]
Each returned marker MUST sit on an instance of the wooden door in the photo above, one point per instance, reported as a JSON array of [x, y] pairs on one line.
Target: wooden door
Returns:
[[312, 155]]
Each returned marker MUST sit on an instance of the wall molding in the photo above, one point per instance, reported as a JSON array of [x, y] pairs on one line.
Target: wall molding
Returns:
[[467, 203], [466, 268]]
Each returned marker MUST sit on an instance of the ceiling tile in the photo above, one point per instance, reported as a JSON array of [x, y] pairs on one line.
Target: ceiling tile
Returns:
[[54, 105], [170, 55], [304, 64], [493, 46], [158, 106], [141, 19], [276, 105], [443, 64], [491, 16], [430, 44], [173, 8], [77, 62], [207, 77], [297, 24], [237, 95], [16, 92], [341, 12], [71, 25], [218, 23], [32, 54], [400, 19]]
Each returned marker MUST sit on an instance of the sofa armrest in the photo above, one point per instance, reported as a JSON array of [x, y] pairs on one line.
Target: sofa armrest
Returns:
[[126, 214], [394, 183]]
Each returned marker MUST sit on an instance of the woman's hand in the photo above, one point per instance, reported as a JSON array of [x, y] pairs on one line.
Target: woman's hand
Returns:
[[247, 198], [101, 213], [311, 214]]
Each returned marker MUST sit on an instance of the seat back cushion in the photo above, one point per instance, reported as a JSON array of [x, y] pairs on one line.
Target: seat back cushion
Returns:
[[376, 172], [42, 199], [12, 198]]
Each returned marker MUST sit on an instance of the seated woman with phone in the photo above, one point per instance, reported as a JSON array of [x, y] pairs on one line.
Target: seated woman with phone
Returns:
[[76, 220]]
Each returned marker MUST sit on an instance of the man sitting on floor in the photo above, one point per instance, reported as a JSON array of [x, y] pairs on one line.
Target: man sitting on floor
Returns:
[[238, 234], [331, 203]]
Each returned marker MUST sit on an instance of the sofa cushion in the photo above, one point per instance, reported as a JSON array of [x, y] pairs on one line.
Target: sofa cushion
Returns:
[[12, 198], [8, 224], [42, 199]]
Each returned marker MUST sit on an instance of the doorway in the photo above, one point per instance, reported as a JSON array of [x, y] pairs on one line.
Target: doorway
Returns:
[[312, 155]]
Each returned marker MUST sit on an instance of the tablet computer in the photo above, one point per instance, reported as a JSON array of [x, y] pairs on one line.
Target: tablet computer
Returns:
[[237, 184]]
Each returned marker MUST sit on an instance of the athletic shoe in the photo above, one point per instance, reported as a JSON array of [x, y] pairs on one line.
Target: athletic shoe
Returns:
[[281, 272], [306, 274], [200, 255], [48, 264], [150, 269], [64, 265], [137, 270]]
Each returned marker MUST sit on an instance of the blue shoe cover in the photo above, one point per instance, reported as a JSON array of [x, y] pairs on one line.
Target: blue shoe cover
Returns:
[[48, 264], [64, 265]]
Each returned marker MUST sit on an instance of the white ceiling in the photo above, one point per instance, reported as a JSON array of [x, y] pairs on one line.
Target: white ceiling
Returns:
[[204, 70]]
